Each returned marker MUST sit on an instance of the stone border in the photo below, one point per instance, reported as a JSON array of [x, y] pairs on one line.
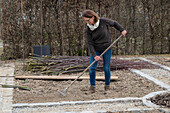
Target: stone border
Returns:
[[139, 110], [26, 106], [128, 99], [6, 94]]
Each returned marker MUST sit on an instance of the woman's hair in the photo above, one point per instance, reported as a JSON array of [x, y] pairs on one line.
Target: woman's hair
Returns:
[[89, 14]]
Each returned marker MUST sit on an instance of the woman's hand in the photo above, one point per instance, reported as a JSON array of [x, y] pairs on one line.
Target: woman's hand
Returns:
[[97, 58], [124, 32]]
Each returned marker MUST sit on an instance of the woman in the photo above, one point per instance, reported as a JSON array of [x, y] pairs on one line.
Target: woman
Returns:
[[98, 39]]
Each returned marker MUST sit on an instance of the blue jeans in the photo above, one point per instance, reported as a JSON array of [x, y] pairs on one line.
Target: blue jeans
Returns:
[[106, 67]]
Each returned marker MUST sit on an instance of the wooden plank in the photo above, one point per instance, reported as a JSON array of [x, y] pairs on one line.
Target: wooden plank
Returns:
[[7, 76], [63, 77]]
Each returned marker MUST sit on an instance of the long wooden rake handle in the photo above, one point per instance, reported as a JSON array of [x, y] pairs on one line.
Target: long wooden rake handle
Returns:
[[89, 67]]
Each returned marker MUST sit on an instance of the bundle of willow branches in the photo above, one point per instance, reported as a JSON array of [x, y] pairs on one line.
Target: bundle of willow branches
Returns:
[[75, 64], [57, 65]]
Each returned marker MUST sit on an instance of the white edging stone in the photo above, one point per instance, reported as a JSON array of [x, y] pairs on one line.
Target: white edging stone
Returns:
[[139, 110], [138, 72], [128, 99], [6, 94]]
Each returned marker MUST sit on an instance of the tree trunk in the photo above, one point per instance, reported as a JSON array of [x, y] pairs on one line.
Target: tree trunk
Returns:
[[67, 31], [118, 17], [41, 13], [79, 48], [168, 42], [162, 24], [87, 7], [60, 29], [128, 12], [133, 24], [144, 23], [87, 4], [0, 20], [22, 28]]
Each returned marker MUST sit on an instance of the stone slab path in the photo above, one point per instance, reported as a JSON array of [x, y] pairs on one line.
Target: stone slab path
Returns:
[[6, 94]]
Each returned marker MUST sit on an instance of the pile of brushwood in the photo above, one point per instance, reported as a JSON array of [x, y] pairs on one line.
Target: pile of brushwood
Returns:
[[56, 65], [162, 100], [73, 64]]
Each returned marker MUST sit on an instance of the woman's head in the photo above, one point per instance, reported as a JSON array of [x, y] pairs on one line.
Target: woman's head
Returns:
[[90, 16]]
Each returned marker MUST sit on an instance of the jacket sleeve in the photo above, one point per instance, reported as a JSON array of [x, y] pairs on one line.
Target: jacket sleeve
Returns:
[[90, 43], [113, 23]]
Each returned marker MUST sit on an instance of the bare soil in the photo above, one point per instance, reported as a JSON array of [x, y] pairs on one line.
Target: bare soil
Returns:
[[128, 85]]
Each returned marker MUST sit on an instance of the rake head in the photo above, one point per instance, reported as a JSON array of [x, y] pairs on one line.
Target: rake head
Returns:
[[62, 93]]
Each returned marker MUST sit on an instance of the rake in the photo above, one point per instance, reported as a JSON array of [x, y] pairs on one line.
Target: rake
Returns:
[[65, 90]]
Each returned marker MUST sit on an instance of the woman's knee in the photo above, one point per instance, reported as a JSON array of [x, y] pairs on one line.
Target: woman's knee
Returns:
[[92, 69], [106, 68]]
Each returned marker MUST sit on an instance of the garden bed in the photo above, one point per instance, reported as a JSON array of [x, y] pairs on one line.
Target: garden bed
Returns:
[[128, 85]]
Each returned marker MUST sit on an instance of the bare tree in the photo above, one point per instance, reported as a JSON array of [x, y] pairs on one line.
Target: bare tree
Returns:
[[58, 23]]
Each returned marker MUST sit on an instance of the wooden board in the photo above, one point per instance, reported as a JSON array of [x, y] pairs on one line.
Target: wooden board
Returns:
[[63, 77]]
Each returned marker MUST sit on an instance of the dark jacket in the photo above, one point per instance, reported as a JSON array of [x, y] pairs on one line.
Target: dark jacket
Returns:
[[100, 38]]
